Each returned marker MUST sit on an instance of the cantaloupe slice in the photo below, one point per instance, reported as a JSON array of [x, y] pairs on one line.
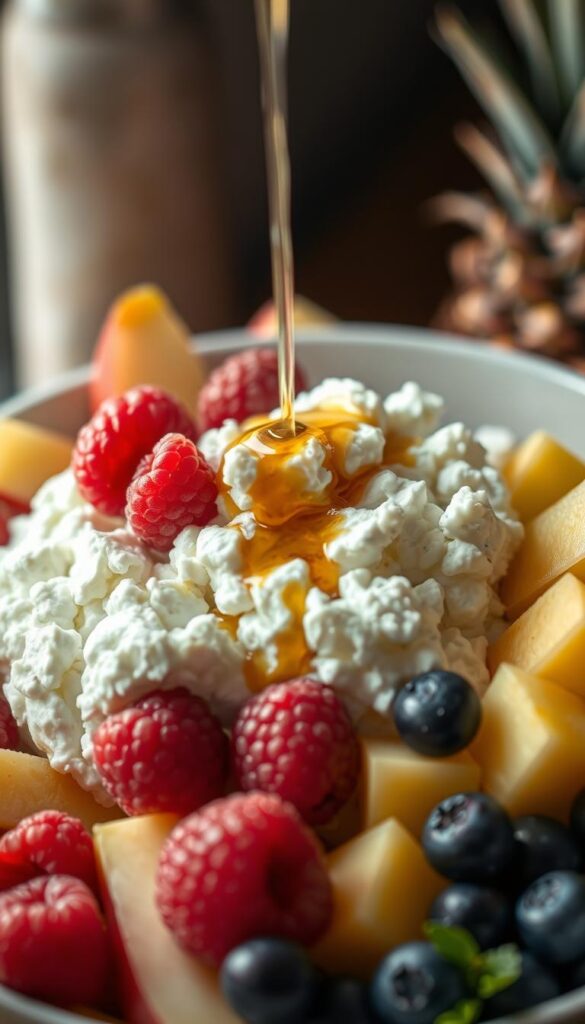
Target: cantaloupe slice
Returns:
[[383, 888], [539, 472], [399, 783], [29, 455], [554, 543], [161, 984], [28, 784], [264, 323], [549, 638], [531, 745]]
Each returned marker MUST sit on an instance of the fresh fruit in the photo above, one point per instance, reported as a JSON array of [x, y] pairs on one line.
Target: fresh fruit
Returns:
[[577, 818], [534, 986], [53, 943], [264, 323], [414, 985], [144, 341], [531, 746], [296, 739], [342, 999], [437, 713], [469, 838], [172, 488], [554, 543], [550, 917], [482, 911], [399, 783], [548, 640], [29, 455], [543, 845], [165, 753], [242, 867], [244, 385], [539, 472], [110, 447], [9, 735], [269, 980], [50, 843], [28, 784], [370, 876], [159, 983]]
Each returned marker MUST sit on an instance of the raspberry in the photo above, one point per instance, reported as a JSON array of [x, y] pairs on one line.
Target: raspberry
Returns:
[[242, 867], [119, 435], [167, 753], [174, 487], [51, 843], [9, 736], [296, 739], [244, 385], [53, 943]]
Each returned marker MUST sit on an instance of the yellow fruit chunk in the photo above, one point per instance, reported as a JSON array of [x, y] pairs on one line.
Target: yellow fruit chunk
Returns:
[[549, 638], [383, 888], [539, 472], [144, 341], [531, 745], [28, 784], [29, 455], [554, 543], [399, 783], [344, 826], [264, 323], [160, 982]]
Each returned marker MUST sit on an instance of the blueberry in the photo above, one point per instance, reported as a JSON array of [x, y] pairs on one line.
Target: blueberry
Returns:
[[469, 838], [268, 980], [414, 985], [578, 818], [535, 985], [543, 845], [481, 911], [437, 713], [550, 917], [575, 976], [342, 999]]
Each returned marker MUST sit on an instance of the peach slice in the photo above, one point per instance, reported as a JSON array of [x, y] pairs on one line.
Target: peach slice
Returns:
[[28, 784], [29, 455], [264, 323], [144, 341], [161, 984], [539, 472]]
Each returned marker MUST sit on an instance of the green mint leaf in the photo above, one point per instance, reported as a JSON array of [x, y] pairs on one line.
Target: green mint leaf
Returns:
[[466, 1012], [498, 969], [453, 944]]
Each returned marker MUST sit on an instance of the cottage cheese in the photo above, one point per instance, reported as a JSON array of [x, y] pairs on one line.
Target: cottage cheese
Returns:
[[90, 620]]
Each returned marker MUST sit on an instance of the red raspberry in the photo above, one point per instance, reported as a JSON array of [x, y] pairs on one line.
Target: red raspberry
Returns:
[[51, 843], [9, 736], [167, 753], [174, 487], [53, 942], [119, 435], [245, 385], [241, 867], [296, 739]]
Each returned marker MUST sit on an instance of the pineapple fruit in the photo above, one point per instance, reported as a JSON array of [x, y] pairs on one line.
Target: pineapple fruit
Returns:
[[520, 275]]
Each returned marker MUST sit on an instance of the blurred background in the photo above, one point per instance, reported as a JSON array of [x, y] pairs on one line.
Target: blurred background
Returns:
[[132, 150]]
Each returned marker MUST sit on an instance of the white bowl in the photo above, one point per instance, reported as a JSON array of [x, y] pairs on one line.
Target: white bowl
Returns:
[[481, 385]]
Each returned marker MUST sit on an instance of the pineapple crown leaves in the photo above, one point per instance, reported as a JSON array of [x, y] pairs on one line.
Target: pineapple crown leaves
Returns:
[[540, 122], [487, 973]]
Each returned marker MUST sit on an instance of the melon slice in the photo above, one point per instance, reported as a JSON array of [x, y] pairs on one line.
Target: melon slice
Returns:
[[29, 455], [539, 472]]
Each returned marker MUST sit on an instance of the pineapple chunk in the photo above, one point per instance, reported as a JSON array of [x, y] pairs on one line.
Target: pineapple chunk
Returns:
[[554, 543], [383, 888], [539, 472], [28, 784], [401, 784], [548, 640], [160, 982], [531, 745], [29, 455]]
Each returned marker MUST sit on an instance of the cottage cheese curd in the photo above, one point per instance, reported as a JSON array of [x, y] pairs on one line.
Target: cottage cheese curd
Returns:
[[366, 552]]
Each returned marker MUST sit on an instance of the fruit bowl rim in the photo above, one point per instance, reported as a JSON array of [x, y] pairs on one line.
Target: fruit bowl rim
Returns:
[[566, 1009]]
